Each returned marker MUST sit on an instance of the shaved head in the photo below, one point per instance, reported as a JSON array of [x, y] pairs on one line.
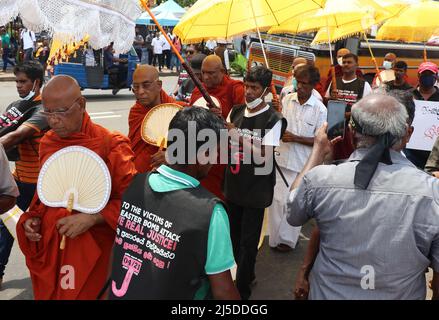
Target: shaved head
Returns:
[[212, 71], [390, 57], [145, 71], [64, 105], [60, 87], [147, 86], [342, 52], [299, 60]]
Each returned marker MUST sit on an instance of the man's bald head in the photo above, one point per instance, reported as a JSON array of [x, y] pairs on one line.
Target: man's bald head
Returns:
[[390, 57], [212, 71], [147, 86], [342, 52], [64, 105], [145, 72], [60, 87], [299, 60]]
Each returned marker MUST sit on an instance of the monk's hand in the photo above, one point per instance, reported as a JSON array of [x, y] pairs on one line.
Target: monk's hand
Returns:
[[32, 228], [76, 224], [158, 159]]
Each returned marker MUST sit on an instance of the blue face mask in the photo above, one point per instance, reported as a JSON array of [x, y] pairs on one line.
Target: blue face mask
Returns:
[[427, 81], [294, 83]]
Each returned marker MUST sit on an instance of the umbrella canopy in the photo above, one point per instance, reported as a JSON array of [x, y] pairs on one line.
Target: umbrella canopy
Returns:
[[226, 18], [339, 15], [104, 21], [416, 23], [168, 13], [391, 7]]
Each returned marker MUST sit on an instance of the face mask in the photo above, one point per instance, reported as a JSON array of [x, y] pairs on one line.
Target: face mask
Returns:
[[427, 81], [256, 102], [294, 84], [31, 93], [340, 61], [387, 65]]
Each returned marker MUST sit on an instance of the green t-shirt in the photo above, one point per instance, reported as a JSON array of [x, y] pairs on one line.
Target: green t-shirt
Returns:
[[6, 40], [219, 244]]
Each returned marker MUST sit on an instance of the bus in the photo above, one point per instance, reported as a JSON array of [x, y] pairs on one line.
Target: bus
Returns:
[[282, 49]]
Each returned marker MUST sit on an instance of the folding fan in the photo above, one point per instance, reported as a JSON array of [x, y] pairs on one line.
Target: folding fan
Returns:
[[155, 125], [75, 178], [201, 102]]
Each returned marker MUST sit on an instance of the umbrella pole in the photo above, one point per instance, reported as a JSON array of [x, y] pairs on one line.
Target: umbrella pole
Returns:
[[189, 70], [272, 87], [334, 80], [425, 52], [377, 70]]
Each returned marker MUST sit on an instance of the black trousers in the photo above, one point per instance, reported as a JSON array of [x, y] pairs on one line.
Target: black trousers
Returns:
[[158, 58], [245, 231], [167, 58]]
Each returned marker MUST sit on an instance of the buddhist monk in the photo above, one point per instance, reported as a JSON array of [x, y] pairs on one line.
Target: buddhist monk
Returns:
[[147, 88], [81, 269], [229, 93]]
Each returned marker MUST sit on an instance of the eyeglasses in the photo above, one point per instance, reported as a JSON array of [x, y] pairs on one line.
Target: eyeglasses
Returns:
[[190, 52], [62, 113], [144, 85]]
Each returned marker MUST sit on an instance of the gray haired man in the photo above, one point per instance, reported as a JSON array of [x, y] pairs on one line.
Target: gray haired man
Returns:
[[378, 216]]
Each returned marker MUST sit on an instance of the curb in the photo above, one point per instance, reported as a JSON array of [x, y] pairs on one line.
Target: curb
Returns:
[[7, 79]]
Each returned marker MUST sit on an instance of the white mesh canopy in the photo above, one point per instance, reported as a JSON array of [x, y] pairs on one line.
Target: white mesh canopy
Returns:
[[104, 21]]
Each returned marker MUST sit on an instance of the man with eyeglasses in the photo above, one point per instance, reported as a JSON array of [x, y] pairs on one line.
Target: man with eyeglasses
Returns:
[[21, 128], [80, 270], [147, 88]]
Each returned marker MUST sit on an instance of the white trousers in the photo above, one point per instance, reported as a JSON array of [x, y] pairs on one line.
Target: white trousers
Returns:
[[279, 229]]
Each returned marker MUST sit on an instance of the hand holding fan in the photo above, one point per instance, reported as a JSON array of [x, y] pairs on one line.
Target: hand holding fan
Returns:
[[74, 178], [155, 125]]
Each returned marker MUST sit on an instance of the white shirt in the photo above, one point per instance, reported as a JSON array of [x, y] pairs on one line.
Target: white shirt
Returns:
[[166, 45], [28, 38], [304, 121], [367, 89], [272, 138], [157, 44]]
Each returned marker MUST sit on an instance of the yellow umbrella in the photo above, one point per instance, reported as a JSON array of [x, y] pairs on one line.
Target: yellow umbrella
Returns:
[[416, 23], [223, 19]]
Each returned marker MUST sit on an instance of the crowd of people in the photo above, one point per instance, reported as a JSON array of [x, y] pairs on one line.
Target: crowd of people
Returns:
[[375, 202]]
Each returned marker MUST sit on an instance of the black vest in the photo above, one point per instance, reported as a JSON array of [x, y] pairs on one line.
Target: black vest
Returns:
[[160, 250], [350, 92], [243, 187], [15, 115]]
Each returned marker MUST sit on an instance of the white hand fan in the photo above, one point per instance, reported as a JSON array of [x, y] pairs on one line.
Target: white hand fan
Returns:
[[156, 123], [201, 102], [75, 178]]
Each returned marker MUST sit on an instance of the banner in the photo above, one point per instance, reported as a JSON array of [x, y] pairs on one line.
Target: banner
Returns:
[[426, 124]]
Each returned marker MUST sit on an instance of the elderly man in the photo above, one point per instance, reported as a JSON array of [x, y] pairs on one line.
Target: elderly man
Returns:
[[90, 237], [147, 88], [291, 83], [305, 113], [229, 93], [377, 214], [388, 74]]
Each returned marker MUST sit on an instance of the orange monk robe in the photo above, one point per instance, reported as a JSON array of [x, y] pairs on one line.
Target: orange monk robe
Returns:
[[142, 150], [229, 93], [85, 258]]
